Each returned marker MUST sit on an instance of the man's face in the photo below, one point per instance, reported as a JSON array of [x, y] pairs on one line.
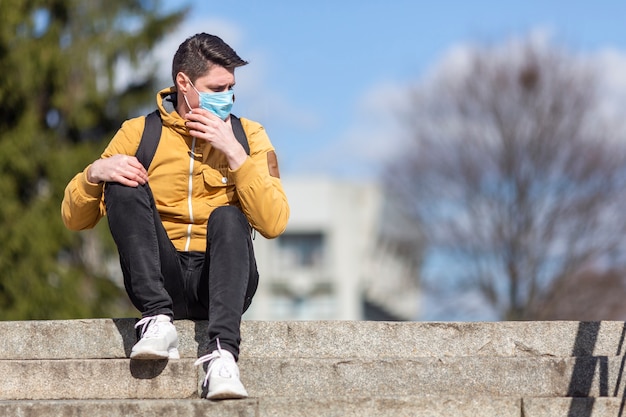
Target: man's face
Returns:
[[217, 80]]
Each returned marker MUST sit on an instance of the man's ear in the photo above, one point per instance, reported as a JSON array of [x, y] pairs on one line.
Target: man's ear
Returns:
[[182, 83]]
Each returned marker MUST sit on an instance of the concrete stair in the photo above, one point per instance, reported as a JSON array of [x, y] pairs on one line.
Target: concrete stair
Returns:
[[331, 368]]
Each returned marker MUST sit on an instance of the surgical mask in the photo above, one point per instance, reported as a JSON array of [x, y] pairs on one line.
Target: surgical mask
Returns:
[[220, 104]]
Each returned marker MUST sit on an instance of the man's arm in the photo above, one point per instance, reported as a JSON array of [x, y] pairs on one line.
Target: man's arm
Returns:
[[83, 205], [259, 188]]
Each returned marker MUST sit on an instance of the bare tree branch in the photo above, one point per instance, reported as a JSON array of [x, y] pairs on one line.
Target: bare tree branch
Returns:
[[513, 174]]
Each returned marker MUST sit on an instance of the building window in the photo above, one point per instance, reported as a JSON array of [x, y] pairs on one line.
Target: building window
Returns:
[[302, 250], [301, 287]]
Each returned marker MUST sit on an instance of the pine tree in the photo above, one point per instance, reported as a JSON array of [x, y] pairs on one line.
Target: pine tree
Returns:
[[59, 61]]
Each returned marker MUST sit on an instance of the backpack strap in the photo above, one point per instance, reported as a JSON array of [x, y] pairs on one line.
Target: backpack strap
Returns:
[[152, 135], [240, 134], [149, 139]]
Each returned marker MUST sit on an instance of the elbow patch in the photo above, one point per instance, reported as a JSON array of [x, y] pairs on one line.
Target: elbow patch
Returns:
[[272, 164]]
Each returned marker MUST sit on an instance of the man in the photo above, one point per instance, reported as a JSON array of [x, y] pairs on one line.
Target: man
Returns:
[[183, 226]]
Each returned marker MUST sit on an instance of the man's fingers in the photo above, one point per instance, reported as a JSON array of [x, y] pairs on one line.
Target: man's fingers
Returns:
[[135, 170], [124, 180], [125, 169]]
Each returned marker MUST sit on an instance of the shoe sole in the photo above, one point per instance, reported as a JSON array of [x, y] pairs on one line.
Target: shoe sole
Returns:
[[147, 354], [227, 390], [226, 395]]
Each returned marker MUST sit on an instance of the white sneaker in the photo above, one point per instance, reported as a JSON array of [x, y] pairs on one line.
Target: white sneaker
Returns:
[[158, 339], [222, 375]]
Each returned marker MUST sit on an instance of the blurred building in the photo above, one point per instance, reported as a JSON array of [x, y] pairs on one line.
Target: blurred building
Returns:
[[344, 256]]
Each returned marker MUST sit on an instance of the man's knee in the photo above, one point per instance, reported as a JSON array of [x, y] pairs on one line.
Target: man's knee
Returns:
[[116, 194], [228, 218]]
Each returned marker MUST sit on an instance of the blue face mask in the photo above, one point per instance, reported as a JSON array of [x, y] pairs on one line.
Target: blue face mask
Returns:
[[220, 104]]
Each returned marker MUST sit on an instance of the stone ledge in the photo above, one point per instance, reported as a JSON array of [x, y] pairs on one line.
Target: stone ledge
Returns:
[[310, 378], [396, 406], [113, 338]]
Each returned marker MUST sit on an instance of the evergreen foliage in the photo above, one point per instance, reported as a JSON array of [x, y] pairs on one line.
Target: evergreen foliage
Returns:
[[60, 104]]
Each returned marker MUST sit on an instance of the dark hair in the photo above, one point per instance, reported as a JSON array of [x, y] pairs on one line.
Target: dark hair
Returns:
[[198, 53]]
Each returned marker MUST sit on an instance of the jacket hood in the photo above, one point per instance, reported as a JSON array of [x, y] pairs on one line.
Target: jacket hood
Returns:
[[166, 102]]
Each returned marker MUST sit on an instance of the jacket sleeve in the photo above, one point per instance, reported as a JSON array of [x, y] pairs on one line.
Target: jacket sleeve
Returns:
[[82, 205], [83, 202], [259, 188]]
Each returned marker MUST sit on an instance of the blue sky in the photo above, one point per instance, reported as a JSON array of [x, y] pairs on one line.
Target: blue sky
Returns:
[[324, 76]]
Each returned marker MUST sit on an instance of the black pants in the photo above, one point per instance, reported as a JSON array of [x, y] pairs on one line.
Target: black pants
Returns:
[[217, 285]]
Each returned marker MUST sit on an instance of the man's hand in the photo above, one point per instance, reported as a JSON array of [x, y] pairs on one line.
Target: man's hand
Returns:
[[206, 126], [125, 169]]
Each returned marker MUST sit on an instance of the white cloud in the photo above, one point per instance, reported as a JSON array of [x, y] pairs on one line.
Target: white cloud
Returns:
[[456, 60], [611, 66], [378, 125]]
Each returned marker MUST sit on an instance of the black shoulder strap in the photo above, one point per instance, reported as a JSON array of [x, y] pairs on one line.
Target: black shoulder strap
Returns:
[[152, 135], [240, 134], [149, 139]]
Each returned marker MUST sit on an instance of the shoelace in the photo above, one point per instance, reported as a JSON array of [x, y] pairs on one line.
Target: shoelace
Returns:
[[207, 358], [149, 326]]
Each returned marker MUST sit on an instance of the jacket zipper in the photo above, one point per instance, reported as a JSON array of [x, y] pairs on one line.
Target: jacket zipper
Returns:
[[191, 159]]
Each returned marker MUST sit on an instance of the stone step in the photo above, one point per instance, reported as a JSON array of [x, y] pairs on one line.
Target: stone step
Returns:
[[396, 406], [113, 338], [573, 407], [318, 378]]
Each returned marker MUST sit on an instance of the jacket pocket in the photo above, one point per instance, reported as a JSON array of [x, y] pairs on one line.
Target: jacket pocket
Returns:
[[219, 188]]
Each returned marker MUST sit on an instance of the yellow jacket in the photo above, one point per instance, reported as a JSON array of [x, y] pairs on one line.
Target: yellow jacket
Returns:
[[188, 184]]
